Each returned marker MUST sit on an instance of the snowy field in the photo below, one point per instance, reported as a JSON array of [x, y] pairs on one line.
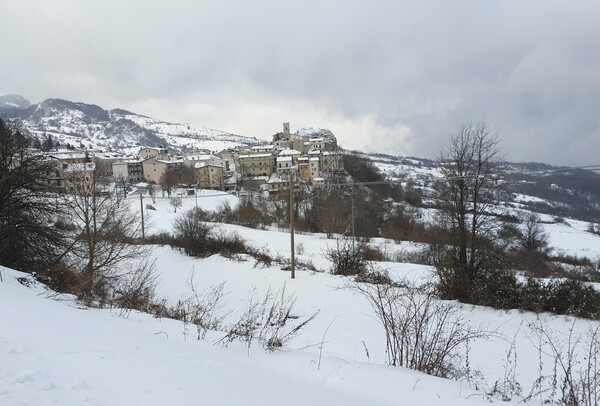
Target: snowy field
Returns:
[[54, 352]]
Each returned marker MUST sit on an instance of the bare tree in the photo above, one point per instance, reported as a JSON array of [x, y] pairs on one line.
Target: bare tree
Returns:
[[104, 231], [531, 242], [178, 175], [468, 162], [176, 203], [168, 182], [29, 231], [152, 191], [186, 175], [534, 238]]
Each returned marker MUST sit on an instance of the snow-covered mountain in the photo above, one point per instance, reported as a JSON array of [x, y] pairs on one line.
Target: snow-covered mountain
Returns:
[[117, 129], [10, 103]]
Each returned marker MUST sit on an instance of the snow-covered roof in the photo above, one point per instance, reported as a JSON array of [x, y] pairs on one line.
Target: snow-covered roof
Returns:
[[203, 157], [276, 178], [80, 167], [261, 147], [108, 155], [203, 164], [129, 161], [70, 155], [284, 159], [255, 156], [172, 161], [286, 152]]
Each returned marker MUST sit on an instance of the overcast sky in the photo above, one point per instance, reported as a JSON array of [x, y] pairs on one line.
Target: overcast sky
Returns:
[[387, 76]]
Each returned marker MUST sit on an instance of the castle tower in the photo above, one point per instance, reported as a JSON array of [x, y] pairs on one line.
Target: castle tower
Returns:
[[286, 130]]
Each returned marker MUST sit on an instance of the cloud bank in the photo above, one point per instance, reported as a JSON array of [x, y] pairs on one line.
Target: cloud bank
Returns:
[[396, 77]]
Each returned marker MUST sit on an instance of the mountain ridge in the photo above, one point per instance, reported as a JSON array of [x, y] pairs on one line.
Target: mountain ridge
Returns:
[[92, 126]]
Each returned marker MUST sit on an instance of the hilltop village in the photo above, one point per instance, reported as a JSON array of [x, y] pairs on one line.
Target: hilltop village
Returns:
[[268, 167]]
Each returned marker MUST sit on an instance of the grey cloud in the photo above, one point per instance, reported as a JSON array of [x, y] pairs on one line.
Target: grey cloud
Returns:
[[416, 70]]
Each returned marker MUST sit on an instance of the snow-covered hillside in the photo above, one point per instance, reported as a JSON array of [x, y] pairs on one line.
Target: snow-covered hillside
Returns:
[[120, 130], [55, 351]]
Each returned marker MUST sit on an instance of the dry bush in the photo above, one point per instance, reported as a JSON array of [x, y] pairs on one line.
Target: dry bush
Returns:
[[137, 289], [162, 238], [61, 279], [192, 233], [575, 374], [231, 244], [261, 256], [245, 214], [204, 309], [347, 257], [508, 387], [267, 320], [421, 332], [374, 275], [373, 254]]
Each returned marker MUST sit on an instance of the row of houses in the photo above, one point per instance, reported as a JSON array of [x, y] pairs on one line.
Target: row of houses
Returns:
[[269, 166], [152, 164], [68, 169], [310, 160]]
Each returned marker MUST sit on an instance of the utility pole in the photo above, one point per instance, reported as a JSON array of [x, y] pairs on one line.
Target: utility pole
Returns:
[[142, 211], [293, 256], [353, 234]]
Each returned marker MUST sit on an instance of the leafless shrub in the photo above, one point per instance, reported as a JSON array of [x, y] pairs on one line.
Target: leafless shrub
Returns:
[[507, 387], [193, 234], [575, 376], [231, 244], [62, 279], [204, 309], [411, 257], [347, 257], [261, 256], [137, 289], [421, 332], [307, 265], [374, 275], [267, 320], [285, 264]]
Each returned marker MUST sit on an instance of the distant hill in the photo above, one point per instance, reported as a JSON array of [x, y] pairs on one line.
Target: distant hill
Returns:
[[92, 126], [11, 104]]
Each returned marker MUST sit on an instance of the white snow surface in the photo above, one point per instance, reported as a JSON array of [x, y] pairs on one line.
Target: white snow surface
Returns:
[[54, 351]]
